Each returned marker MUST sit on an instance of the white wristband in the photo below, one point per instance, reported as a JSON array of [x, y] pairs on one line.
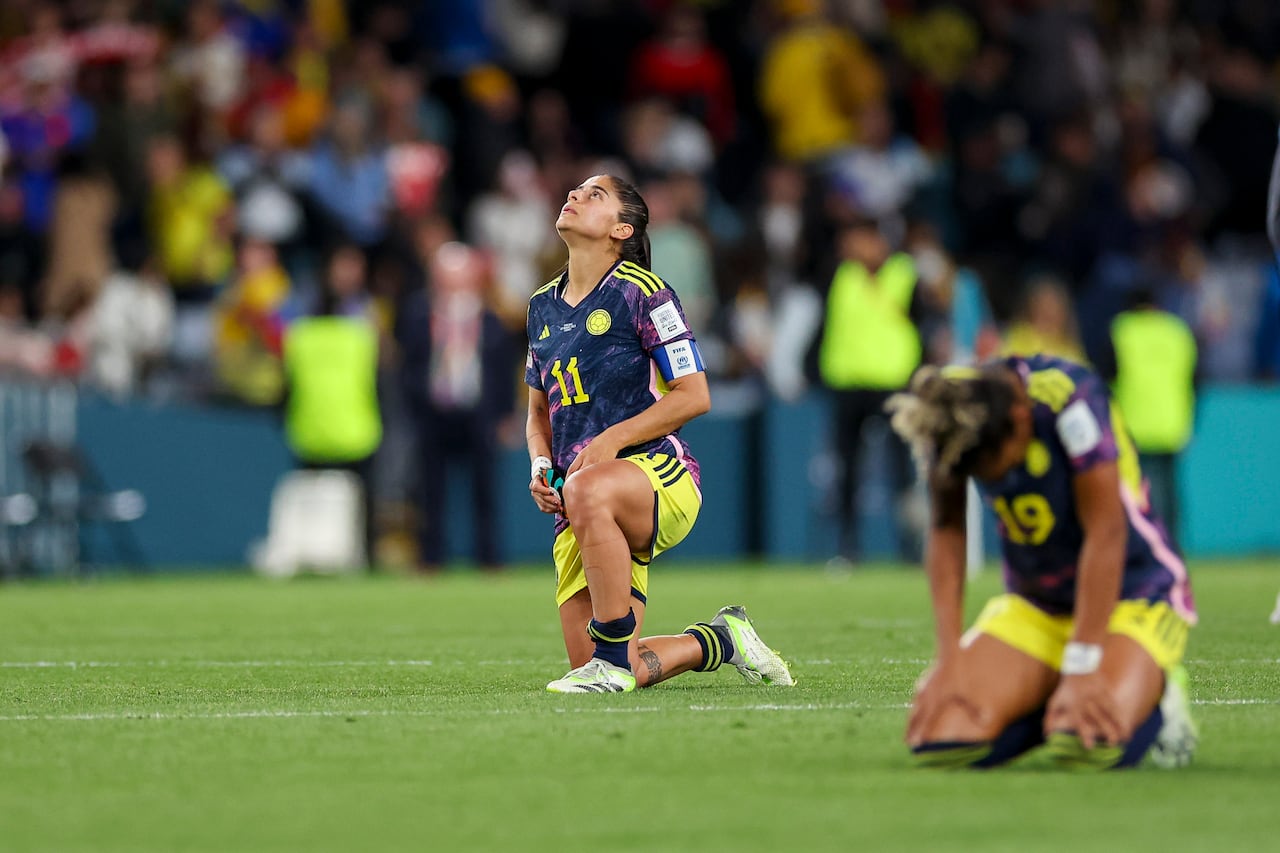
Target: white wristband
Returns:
[[540, 464], [1081, 658]]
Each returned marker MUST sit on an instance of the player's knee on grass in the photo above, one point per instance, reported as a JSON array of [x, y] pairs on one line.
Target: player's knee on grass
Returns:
[[960, 722], [1018, 737]]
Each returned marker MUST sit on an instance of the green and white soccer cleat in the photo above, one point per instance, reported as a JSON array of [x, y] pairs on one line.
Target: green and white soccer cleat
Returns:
[[595, 676], [753, 659], [1175, 746]]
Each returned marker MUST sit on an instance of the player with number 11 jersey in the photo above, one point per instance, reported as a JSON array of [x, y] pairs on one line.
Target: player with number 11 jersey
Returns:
[[602, 361]]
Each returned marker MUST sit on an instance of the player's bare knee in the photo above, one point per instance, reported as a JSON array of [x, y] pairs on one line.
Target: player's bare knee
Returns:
[[586, 498], [959, 722], [955, 740]]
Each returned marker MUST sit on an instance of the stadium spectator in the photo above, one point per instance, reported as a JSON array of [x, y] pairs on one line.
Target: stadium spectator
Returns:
[[606, 455], [211, 62], [680, 66], [457, 363], [1083, 651], [332, 418], [658, 140], [882, 173], [680, 249], [249, 325], [490, 128], [958, 326], [1076, 213], [1154, 389], [553, 139], [267, 180], [814, 79], [47, 119], [514, 222], [80, 253], [418, 131], [191, 217], [132, 324], [348, 177], [131, 112], [869, 347], [1046, 323]]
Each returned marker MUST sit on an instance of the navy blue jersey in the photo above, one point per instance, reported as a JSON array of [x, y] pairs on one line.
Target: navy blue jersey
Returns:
[[1075, 428], [596, 360]]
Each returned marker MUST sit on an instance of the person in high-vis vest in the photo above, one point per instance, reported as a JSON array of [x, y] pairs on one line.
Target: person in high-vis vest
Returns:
[[1154, 390], [332, 419], [870, 347]]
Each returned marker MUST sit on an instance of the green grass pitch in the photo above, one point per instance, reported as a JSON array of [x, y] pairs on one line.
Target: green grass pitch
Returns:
[[228, 713]]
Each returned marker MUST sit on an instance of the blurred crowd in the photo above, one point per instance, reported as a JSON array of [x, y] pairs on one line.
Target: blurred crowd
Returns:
[[182, 181]]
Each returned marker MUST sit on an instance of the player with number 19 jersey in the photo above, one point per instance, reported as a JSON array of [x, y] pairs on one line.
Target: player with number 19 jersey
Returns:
[[602, 361], [1075, 427]]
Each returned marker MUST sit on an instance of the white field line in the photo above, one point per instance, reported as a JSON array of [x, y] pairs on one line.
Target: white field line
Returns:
[[159, 664], [548, 661], [277, 714]]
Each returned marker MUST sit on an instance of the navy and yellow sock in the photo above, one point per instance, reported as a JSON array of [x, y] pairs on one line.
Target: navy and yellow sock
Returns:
[[716, 645], [612, 639]]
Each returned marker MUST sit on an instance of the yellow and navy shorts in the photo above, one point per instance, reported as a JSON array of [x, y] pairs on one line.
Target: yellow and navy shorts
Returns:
[[1017, 622], [676, 503]]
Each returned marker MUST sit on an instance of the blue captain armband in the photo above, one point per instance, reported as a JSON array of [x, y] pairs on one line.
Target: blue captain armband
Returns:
[[678, 358]]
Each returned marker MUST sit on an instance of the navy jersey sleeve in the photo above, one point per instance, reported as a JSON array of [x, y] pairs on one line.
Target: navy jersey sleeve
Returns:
[[532, 375], [1084, 425], [664, 332]]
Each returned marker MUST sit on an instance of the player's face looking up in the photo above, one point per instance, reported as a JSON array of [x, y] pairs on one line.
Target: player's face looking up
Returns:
[[591, 212]]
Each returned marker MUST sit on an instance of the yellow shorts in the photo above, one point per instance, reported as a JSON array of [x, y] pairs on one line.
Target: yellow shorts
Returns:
[[676, 503], [1019, 623]]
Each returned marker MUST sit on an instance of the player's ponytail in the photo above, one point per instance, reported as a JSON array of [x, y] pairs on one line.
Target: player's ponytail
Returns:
[[951, 416], [635, 213]]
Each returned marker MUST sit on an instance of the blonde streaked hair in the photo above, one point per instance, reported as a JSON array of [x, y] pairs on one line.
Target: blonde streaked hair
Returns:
[[949, 416]]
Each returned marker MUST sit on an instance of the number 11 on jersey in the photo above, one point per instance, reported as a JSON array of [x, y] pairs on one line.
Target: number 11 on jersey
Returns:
[[579, 395]]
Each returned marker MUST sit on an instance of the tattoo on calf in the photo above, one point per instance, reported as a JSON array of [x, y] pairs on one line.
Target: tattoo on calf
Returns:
[[652, 663]]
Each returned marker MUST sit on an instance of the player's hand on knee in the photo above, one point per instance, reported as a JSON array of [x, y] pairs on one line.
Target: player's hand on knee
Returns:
[[938, 688], [601, 449], [1083, 704]]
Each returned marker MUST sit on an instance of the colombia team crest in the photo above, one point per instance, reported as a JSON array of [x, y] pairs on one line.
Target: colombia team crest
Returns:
[[599, 321]]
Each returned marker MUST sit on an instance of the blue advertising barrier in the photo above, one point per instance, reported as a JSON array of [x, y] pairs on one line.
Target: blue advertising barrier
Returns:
[[207, 475]]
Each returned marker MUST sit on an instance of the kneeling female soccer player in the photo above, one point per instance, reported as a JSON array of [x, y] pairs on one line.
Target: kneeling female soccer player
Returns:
[[1090, 633], [614, 372]]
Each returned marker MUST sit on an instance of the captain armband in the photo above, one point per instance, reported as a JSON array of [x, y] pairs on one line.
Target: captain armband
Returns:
[[678, 358]]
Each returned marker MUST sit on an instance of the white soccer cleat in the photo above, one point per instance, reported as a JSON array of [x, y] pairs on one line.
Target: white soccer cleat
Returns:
[[595, 676], [1275, 614], [753, 659], [1175, 745]]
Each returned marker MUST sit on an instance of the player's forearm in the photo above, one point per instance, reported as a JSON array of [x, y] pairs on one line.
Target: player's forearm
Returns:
[[1098, 582], [537, 433], [674, 410], [944, 564]]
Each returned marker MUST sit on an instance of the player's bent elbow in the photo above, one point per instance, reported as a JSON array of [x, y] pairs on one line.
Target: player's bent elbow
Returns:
[[697, 399]]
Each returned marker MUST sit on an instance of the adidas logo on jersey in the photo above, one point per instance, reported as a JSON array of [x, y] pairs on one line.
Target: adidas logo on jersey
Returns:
[[546, 333]]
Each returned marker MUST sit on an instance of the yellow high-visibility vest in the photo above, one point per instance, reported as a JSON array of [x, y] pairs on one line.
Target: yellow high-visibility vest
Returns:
[[332, 367], [1155, 374], [869, 340]]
